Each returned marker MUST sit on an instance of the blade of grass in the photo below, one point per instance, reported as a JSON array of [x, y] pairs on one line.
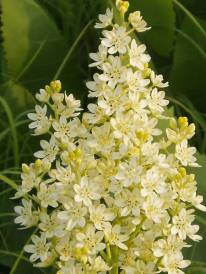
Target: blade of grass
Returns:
[[2, 193], [13, 254], [70, 51], [30, 62], [7, 130], [191, 16], [13, 130], [7, 171], [188, 38], [23, 114], [8, 181], [7, 214], [4, 241], [16, 263], [6, 224]]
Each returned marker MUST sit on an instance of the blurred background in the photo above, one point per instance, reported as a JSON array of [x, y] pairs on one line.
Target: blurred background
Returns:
[[45, 39]]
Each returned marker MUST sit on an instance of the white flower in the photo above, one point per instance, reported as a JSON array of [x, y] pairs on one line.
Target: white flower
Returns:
[[157, 80], [62, 174], [156, 101], [101, 216], [62, 129], [116, 40], [168, 247], [171, 264], [41, 123], [98, 87], [123, 126], [129, 202], [64, 248], [153, 181], [50, 150], [101, 139], [137, 22], [100, 57], [90, 240], [129, 173], [182, 225], [153, 207], [95, 115], [74, 215], [145, 268], [197, 202], [180, 132], [136, 82], [47, 195], [39, 248], [115, 237], [105, 19], [72, 107], [27, 217], [30, 179], [186, 154], [50, 225], [70, 267], [86, 191], [98, 265], [42, 96], [113, 71], [137, 56]]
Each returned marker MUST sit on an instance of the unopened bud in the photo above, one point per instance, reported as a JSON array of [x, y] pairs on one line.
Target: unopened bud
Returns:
[[183, 121], [38, 164], [25, 168], [56, 85], [122, 6]]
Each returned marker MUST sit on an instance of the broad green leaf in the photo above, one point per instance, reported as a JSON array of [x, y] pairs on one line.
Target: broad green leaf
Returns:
[[200, 174], [16, 93], [15, 24], [26, 28], [160, 16], [198, 254], [188, 72]]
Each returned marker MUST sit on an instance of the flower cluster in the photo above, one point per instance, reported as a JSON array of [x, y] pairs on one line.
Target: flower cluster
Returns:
[[110, 192]]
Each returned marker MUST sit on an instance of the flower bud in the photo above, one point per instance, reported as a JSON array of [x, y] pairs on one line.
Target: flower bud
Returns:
[[183, 121], [122, 6], [25, 168], [56, 85]]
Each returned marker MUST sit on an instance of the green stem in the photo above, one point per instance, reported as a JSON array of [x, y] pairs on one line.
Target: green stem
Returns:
[[192, 42], [104, 256], [61, 67], [28, 65], [16, 263], [115, 258], [108, 248], [190, 15], [13, 130], [13, 254], [135, 233]]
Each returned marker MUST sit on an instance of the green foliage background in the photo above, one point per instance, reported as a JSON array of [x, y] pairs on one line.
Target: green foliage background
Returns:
[[41, 40]]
